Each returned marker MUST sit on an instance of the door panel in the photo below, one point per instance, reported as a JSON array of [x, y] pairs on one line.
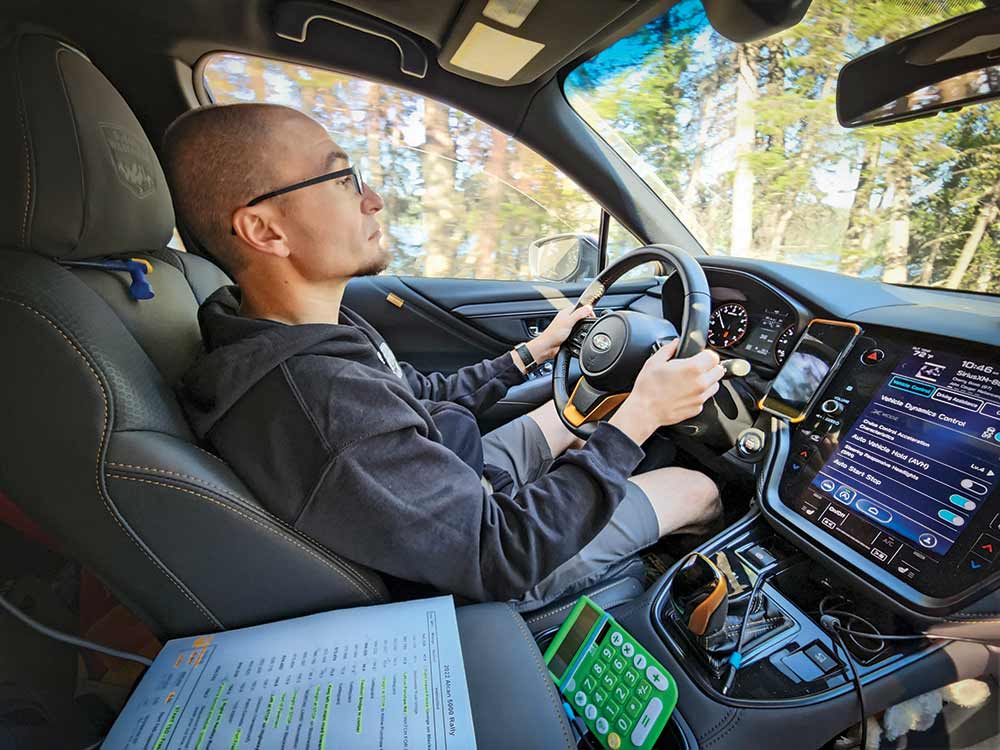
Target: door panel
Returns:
[[445, 324]]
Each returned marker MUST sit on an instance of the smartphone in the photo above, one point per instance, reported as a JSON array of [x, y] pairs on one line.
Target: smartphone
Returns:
[[801, 379]]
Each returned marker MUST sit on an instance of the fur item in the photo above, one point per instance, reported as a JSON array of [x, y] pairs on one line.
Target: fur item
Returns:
[[914, 714], [966, 693], [918, 714]]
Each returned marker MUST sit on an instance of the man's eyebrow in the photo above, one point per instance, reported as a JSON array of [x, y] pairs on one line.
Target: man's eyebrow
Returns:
[[333, 157]]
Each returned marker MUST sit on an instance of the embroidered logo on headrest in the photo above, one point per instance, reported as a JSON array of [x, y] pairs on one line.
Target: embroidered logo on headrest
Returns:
[[130, 159]]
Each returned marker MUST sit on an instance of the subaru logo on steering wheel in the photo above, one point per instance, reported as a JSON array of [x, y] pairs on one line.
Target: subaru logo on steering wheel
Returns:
[[601, 342]]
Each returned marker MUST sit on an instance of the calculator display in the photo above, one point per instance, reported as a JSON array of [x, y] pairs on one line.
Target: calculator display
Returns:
[[574, 639]]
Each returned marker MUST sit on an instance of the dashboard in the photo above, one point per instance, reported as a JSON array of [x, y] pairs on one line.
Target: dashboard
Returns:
[[893, 478]]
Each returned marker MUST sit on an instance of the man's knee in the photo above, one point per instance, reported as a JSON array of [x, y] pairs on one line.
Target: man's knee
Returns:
[[685, 501], [704, 497]]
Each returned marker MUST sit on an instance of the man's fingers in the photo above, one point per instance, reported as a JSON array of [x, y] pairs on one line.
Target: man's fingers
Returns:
[[666, 351], [712, 376]]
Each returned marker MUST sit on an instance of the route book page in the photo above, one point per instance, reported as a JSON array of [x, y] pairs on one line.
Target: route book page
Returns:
[[388, 676]]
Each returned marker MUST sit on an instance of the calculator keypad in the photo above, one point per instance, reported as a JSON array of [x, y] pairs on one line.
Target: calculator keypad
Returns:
[[617, 689]]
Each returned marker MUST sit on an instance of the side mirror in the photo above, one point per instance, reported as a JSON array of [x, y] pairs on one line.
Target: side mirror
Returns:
[[564, 257]]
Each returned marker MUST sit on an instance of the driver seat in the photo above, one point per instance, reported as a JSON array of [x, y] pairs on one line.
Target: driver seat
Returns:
[[94, 445]]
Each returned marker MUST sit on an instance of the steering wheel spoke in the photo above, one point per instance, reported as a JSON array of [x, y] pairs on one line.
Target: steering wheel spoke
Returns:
[[580, 331], [590, 404]]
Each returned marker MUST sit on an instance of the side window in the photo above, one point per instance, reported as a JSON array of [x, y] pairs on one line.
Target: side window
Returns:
[[462, 199]]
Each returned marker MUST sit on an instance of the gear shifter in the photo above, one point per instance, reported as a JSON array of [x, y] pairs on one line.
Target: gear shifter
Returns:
[[700, 596]]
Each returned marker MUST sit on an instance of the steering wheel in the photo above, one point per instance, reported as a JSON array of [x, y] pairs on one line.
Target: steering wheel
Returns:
[[612, 349]]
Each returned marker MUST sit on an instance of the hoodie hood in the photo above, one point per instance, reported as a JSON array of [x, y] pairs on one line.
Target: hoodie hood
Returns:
[[240, 352]]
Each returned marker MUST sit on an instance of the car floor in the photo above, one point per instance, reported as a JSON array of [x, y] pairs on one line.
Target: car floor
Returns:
[[53, 695]]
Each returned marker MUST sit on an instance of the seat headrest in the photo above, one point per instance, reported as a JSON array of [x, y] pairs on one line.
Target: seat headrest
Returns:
[[78, 177]]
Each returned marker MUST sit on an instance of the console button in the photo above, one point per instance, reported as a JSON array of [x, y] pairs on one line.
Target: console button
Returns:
[[928, 540], [802, 666], [987, 546], [872, 510], [646, 721], [835, 512], [975, 563], [872, 357], [832, 407], [821, 658], [887, 544], [759, 556], [878, 554]]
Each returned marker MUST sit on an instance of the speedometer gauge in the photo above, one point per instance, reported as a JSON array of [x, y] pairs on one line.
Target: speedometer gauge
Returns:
[[783, 344], [729, 325]]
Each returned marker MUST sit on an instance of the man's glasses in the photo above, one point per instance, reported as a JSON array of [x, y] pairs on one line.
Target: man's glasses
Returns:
[[359, 184], [354, 172]]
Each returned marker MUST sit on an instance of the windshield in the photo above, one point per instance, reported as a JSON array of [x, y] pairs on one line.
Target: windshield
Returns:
[[741, 142]]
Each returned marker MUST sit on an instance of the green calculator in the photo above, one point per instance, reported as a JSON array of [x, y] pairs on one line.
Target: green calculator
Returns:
[[623, 694]]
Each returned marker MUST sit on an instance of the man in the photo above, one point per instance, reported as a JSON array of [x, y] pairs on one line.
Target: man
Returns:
[[381, 464]]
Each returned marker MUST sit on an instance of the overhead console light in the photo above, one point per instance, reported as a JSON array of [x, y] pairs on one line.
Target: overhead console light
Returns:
[[750, 20], [509, 12], [494, 53]]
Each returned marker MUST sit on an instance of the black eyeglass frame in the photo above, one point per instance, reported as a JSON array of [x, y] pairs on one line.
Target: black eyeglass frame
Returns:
[[359, 184]]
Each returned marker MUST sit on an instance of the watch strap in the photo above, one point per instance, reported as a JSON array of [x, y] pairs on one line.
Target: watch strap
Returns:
[[530, 365]]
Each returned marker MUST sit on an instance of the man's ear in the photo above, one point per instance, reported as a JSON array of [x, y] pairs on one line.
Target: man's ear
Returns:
[[258, 229]]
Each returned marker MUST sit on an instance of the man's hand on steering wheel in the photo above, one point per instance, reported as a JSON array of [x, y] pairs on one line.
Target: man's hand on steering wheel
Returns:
[[545, 345], [668, 391]]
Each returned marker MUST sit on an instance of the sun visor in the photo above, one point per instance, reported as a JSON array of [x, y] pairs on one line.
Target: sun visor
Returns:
[[513, 42]]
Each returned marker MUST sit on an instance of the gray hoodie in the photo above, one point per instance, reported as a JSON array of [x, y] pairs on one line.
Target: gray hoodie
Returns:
[[340, 441]]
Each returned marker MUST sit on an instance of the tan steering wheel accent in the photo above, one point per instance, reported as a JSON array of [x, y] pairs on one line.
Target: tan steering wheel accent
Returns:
[[603, 407]]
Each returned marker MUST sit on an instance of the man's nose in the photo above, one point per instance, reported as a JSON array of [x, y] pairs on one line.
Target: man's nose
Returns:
[[371, 202]]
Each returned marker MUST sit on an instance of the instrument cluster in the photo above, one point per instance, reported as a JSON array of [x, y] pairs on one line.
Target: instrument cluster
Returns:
[[764, 332]]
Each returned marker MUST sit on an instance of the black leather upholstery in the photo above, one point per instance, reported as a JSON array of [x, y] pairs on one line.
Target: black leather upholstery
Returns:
[[94, 445], [79, 176], [514, 703]]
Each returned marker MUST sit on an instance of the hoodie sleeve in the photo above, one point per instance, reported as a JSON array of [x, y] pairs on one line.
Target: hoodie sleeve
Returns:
[[476, 387], [401, 503]]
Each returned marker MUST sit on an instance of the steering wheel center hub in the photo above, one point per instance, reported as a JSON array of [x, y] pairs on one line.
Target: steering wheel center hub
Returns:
[[604, 345]]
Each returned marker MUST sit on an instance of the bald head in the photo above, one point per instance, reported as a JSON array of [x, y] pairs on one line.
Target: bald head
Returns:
[[218, 158]]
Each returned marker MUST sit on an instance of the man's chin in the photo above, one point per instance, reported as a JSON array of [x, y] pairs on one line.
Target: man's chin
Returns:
[[376, 266]]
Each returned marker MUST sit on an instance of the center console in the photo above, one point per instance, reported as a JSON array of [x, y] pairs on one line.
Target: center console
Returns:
[[894, 476], [880, 508]]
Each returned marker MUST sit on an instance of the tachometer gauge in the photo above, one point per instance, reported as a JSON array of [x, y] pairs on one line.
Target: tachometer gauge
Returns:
[[784, 344], [729, 325]]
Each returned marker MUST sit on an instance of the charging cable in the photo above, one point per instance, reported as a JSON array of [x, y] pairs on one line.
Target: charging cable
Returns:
[[736, 658], [832, 623], [67, 638]]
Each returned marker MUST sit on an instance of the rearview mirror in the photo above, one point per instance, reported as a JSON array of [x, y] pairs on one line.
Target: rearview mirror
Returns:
[[945, 67], [564, 257]]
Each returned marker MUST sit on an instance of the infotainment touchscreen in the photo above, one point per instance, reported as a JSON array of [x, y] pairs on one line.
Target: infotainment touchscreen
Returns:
[[923, 455]]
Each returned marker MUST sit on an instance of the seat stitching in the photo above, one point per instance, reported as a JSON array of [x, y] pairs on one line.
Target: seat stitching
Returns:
[[97, 468], [543, 671], [214, 486], [238, 498], [329, 563], [27, 167], [542, 616]]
